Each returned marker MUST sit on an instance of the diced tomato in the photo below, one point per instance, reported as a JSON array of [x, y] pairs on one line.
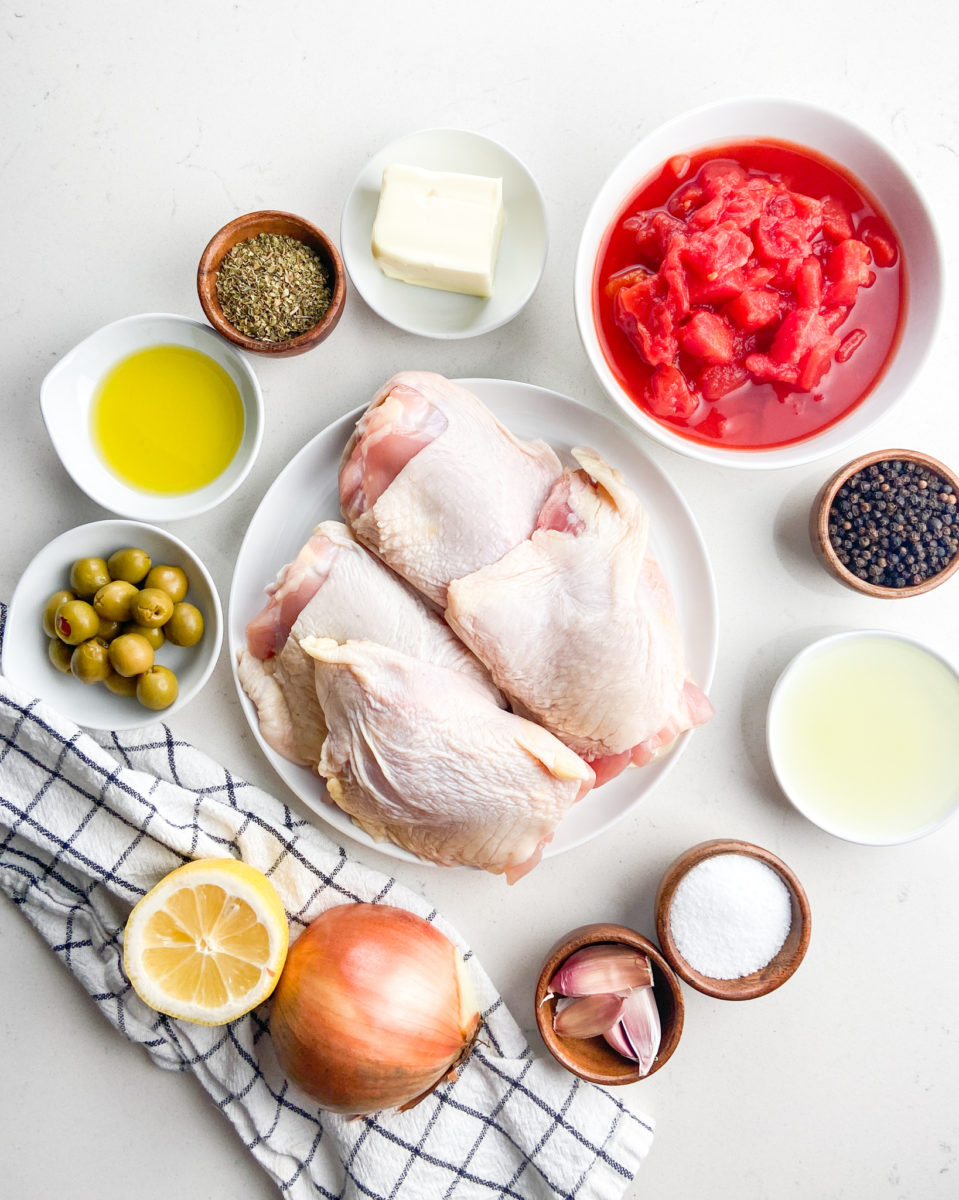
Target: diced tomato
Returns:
[[817, 362], [849, 344], [809, 283], [799, 332], [707, 215], [669, 394], [623, 279], [884, 252], [781, 231], [753, 308], [741, 209], [757, 276], [713, 253], [716, 291], [762, 367], [708, 337], [722, 177], [682, 203], [833, 318], [847, 268], [679, 165], [836, 221], [674, 277], [718, 379], [809, 211], [652, 232], [646, 320]]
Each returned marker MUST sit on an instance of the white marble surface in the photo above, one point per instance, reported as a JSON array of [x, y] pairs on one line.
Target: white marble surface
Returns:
[[129, 134]]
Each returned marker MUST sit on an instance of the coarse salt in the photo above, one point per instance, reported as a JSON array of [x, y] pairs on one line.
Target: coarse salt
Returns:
[[730, 915]]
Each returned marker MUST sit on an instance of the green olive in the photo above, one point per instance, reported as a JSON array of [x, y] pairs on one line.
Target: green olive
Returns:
[[90, 661], [114, 600], [151, 607], [171, 580], [87, 575], [108, 629], [50, 611], [153, 633], [75, 621], [157, 688], [121, 685], [130, 564], [59, 654], [185, 626], [130, 654]]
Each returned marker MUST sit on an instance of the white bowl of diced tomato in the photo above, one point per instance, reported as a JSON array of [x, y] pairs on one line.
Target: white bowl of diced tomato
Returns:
[[758, 282]]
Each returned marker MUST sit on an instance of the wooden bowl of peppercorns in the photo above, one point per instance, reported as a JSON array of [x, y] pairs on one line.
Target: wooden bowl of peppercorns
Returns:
[[887, 523], [272, 283]]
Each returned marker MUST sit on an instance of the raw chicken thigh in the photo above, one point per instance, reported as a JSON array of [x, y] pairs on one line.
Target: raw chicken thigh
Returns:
[[578, 627], [334, 588], [419, 754], [436, 486]]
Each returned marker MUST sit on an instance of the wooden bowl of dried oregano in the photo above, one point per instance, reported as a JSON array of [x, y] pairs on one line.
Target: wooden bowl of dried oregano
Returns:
[[272, 283]]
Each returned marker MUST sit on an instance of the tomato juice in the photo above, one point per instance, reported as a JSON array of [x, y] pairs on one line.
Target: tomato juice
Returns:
[[749, 295]]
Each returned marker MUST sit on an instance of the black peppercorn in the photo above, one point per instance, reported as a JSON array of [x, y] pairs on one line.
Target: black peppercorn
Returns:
[[902, 539]]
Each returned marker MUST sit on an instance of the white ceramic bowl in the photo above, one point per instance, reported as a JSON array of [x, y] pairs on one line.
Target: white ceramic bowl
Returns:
[[66, 399], [860, 733], [25, 660], [833, 137], [522, 251]]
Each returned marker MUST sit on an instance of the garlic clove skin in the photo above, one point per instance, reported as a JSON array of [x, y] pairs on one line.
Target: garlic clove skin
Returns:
[[588, 1016], [637, 1033], [602, 968]]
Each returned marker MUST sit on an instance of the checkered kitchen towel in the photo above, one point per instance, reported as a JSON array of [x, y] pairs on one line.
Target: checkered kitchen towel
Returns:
[[87, 826]]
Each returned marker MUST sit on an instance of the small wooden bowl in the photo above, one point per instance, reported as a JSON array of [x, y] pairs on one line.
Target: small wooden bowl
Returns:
[[592, 1058], [819, 524], [775, 973], [288, 225]]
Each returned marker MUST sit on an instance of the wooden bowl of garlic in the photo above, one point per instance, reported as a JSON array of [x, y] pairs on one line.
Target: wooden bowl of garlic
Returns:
[[584, 1028]]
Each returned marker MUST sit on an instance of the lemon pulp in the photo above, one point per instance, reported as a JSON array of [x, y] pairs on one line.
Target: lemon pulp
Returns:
[[208, 942], [167, 419]]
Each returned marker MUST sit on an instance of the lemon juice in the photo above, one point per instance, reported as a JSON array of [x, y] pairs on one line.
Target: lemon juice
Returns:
[[863, 735], [167, 420]]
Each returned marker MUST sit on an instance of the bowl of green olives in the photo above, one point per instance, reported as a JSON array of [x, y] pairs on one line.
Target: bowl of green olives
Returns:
[[115, 624]]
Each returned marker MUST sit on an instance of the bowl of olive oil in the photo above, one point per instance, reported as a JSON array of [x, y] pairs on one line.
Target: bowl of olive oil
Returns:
[[154, 416]]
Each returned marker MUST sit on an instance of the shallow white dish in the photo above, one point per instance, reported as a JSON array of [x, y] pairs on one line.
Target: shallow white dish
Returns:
[[882, 766], [25, 659], [522, 252], [833, 137], [66, 398], [306, 492]]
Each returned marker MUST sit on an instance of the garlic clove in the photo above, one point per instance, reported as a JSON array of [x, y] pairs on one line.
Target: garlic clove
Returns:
[[588, 1016], [638, 1032], [602, 968]]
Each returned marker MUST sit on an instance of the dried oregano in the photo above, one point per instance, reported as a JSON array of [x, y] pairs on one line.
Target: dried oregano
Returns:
[[272, 287]]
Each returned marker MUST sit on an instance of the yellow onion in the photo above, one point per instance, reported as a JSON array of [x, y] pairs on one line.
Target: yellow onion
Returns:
[[373, 1009]]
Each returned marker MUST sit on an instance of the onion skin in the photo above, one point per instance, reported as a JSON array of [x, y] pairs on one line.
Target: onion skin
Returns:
[[373, 1009]]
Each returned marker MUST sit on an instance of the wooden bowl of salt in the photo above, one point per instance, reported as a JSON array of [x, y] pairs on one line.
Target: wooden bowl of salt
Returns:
[[732, 919]]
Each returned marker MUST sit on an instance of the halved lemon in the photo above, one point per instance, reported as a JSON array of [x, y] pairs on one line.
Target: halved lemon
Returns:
[[208, 943]]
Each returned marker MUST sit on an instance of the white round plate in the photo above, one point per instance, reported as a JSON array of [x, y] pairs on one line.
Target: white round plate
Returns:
[[306, 492], [522, 252], [25, 659]]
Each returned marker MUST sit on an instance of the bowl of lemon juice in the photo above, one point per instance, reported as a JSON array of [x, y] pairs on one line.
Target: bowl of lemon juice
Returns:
[[861, 733]]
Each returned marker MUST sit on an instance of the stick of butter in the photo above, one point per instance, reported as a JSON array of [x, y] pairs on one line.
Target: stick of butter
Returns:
[[438, 229]]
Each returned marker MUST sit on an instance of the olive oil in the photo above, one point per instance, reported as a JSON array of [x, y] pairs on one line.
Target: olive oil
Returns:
[[864, 737], [167, 420]]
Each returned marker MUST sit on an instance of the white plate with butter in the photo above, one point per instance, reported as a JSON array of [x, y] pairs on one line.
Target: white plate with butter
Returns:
[[521, 256]]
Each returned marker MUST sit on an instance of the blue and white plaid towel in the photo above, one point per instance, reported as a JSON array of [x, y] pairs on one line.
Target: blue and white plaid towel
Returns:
[[87, 826]]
